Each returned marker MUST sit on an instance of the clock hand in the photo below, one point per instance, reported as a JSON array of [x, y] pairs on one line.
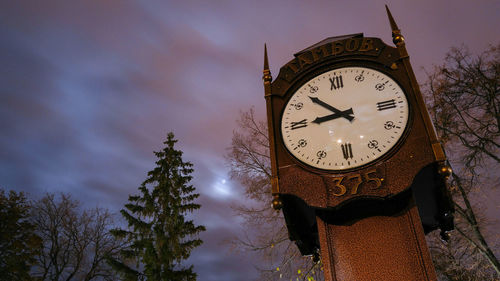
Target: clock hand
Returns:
[[346, 113], [324, 104]]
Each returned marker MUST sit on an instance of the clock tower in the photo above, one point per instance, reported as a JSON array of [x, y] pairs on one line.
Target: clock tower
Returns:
[[357, 168]]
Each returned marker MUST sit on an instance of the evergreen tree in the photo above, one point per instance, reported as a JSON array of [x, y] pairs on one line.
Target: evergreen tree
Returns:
[[18, 241], [159, 235]]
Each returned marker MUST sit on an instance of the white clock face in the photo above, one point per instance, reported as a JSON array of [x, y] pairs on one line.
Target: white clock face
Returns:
[[344, 118]]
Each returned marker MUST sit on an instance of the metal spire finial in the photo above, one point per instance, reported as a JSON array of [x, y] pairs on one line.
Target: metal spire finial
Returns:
[[397, 38], [266, 62], [267, 73]]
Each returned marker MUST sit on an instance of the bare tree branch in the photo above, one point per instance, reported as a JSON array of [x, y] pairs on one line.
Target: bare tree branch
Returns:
[[74, 242], [464, 102]]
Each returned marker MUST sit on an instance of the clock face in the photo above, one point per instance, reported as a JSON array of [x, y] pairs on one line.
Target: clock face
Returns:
[[344, 118]]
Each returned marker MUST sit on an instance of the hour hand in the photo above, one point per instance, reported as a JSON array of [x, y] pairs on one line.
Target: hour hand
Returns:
[[346, 114]]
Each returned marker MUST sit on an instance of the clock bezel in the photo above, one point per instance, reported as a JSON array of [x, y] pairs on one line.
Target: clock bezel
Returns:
[[323, 68]]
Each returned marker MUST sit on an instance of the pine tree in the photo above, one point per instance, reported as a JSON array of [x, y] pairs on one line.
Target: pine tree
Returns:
[[160, 236], [18, 241]]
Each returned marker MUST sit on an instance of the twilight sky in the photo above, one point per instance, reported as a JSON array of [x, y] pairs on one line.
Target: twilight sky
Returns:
[[89, 89]]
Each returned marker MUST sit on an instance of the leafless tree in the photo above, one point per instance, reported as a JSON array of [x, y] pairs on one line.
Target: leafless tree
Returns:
[[267, 235], [461, 258], [464, 99], [75, 242]]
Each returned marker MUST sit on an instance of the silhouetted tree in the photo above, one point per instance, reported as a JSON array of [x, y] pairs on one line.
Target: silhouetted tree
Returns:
[[248, 158], [75, 242], [18, 241], [464, 99], [159, 235]]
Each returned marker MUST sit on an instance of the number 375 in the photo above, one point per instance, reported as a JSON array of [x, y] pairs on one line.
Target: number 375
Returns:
[[352, 182]]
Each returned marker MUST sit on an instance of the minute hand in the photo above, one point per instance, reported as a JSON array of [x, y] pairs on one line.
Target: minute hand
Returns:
[[346, 114]]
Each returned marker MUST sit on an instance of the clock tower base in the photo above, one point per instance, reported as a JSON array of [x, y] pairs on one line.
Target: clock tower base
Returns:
[[375, 248]]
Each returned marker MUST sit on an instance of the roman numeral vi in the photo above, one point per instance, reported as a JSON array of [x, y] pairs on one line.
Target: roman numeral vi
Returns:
[[347, 150]]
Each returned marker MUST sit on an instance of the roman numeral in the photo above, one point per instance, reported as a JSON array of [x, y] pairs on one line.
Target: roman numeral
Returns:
[[347, 150], [388, 104], [299, 124], [336, 82]]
